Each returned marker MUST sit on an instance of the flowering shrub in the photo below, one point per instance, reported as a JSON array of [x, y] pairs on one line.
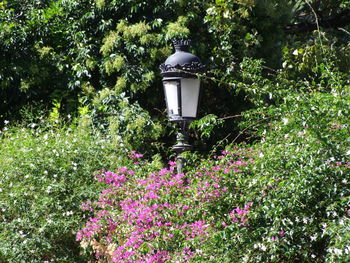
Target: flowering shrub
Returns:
[[45, 174], [162, 216], [282, 201]]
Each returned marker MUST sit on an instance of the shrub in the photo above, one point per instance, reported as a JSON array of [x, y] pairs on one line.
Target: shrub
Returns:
[[299, 182], [45, 173], [145, 215], [289, 203], [243, 206]]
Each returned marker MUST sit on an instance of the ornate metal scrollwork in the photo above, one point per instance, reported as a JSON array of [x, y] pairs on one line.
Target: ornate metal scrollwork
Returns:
[[193, 67]]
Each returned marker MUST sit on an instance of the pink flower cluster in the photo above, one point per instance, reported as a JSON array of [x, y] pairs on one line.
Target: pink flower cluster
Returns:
[[239, 215], [133, 155], [159, 216], [116, 179]]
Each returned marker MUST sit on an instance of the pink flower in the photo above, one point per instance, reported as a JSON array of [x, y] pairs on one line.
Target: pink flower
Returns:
[[186, 207], [247, 206], [239, 214], [171, 163], [135, 155]]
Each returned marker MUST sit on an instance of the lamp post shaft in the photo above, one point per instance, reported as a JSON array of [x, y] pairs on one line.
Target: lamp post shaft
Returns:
[[181, 145]]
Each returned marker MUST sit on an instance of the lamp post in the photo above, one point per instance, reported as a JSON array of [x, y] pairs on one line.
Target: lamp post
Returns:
[[182, 89]]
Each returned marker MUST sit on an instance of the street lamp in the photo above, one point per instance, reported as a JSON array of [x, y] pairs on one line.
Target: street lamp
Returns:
[[182, 89]]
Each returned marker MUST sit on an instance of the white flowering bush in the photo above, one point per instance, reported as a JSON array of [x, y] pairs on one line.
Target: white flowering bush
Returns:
[[299, 184], [45, 174]]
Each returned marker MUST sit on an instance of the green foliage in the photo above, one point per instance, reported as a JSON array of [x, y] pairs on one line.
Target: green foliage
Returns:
[[127, 123], [45, 174], [277, 76], [206, 125], [299, 182], [298, 192]]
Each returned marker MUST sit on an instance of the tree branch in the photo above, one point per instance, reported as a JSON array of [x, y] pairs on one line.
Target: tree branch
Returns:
[[339, 20]]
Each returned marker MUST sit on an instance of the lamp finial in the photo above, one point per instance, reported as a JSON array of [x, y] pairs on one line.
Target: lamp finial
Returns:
[[182, 45]]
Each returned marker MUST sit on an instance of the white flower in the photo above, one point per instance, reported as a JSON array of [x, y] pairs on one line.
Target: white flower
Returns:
[[210, 11], [6, 122], [285, 121], [338, 251], [347, 250], [48, 190]]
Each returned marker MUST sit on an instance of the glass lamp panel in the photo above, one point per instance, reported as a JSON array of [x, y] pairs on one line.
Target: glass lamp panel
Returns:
[[189, 96], [171, 96]]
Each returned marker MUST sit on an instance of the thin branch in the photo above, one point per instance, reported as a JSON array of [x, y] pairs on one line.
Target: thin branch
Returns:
[[342, 29], [253, 124], [230, 117], [316, 19], [339, 20], [271, 69]]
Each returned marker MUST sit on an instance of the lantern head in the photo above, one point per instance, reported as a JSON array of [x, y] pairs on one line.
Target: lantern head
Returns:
[[181, 83]]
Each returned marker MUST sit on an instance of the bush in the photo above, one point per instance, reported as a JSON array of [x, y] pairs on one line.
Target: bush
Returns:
[[299, 182], [288, 203], [243, 206], [150, 215], [46, 172]]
